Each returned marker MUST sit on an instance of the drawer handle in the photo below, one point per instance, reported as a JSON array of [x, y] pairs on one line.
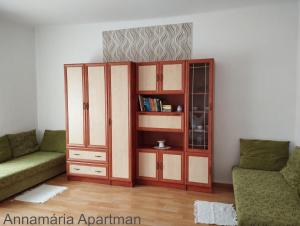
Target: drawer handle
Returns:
[[77, 154], [98, 171], [77, 169], [98, 156]]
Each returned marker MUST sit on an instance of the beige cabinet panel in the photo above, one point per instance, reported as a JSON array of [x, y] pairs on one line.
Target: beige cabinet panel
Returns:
[[160, 121], [87, 155], [120, 121], [198, 169], [172, 77], [75, 105], [172, 167], [88, 170], [147, 78], [147, 164], [97, 111]]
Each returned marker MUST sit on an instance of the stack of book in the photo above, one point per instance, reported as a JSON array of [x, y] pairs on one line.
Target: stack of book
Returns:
[[150, 104]]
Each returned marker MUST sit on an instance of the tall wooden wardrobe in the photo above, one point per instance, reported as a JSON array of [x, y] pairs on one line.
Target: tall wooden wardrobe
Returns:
[[99, 112]]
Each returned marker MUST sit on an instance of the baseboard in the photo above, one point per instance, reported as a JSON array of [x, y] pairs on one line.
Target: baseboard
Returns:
[[223, 186]]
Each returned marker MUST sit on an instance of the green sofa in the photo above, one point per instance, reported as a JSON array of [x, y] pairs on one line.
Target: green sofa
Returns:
[[23, 163], [266, 184], [264, 198]]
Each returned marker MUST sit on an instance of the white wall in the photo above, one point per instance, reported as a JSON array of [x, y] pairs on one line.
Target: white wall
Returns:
[[18, 110], [297, 124], [255, 56]]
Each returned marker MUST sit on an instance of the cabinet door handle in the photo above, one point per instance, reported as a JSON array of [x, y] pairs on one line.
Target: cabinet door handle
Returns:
[[77, 154], [98, 171], [98, 156], [77, 169]]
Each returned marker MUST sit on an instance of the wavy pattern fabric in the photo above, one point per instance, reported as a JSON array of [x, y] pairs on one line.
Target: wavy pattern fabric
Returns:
[[166, 42]]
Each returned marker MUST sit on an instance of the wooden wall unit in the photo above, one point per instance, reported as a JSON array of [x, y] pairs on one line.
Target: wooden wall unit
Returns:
[[110, 140]]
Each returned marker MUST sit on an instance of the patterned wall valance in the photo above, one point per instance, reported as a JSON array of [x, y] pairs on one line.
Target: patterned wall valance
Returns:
[[166, 42]]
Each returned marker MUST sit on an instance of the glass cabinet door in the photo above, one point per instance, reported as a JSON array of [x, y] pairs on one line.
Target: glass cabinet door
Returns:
[[198, 106]]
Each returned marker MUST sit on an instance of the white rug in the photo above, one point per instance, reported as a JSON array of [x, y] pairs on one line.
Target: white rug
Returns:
[[41, 194], [214, 213]]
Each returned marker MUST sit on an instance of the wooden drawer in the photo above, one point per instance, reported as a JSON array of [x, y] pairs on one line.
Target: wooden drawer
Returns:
[[97, 156], [160, 122], [87, 170]]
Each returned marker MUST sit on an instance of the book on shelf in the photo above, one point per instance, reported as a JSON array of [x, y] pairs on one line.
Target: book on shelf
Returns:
[[148, 104]]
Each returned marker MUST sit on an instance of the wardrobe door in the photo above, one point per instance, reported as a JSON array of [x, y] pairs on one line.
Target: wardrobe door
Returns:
[[172, 167], [74, 88], [198, 170], [172, 77], [147, 165], [147, 78], [97, 108], [120, 121]]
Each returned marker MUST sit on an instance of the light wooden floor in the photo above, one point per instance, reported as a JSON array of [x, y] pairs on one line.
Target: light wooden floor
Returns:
[[155, 205]]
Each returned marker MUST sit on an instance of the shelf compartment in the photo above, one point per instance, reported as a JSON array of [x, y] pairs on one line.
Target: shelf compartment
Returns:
[[167, 99], [148, 139]]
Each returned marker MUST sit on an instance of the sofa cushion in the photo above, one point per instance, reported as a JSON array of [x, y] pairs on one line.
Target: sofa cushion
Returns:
[[5, 151], [291, 172], [54, 140], [263, 154], [18, 169], [264, 198], [23, 143]]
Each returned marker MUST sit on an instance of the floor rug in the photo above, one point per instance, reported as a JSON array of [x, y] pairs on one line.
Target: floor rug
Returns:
[[41, 194], [214, 213]]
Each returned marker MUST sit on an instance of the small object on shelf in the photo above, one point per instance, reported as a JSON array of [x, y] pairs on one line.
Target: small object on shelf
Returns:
[[200, 127], [179, 108], [167, 108], [161, 143]]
